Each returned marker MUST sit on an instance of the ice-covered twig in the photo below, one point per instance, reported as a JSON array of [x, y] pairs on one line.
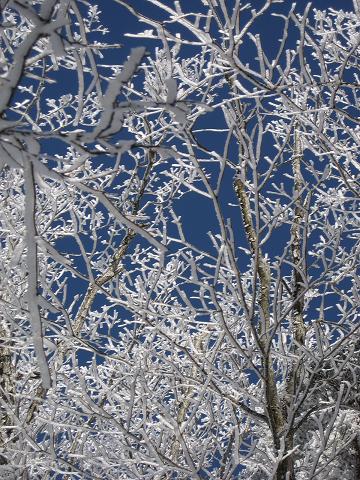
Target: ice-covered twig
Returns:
[[32, 266]]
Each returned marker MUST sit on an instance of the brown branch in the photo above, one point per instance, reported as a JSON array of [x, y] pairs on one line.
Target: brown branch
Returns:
[[296, 245], [274, 410]]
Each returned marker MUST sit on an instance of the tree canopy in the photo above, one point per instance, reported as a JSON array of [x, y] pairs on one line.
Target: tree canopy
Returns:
[[179, 228]]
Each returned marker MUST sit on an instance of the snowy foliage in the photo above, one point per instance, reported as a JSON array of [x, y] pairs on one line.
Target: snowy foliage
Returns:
[[179, 294]]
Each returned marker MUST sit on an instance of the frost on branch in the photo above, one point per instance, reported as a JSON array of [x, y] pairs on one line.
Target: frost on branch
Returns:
[[180, 242]]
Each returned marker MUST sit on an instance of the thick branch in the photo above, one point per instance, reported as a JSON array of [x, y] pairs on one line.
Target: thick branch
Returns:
[[296, 245], [275, 415]]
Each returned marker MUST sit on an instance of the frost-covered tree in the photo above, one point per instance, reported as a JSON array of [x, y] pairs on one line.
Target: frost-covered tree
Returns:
[[179, 242]]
